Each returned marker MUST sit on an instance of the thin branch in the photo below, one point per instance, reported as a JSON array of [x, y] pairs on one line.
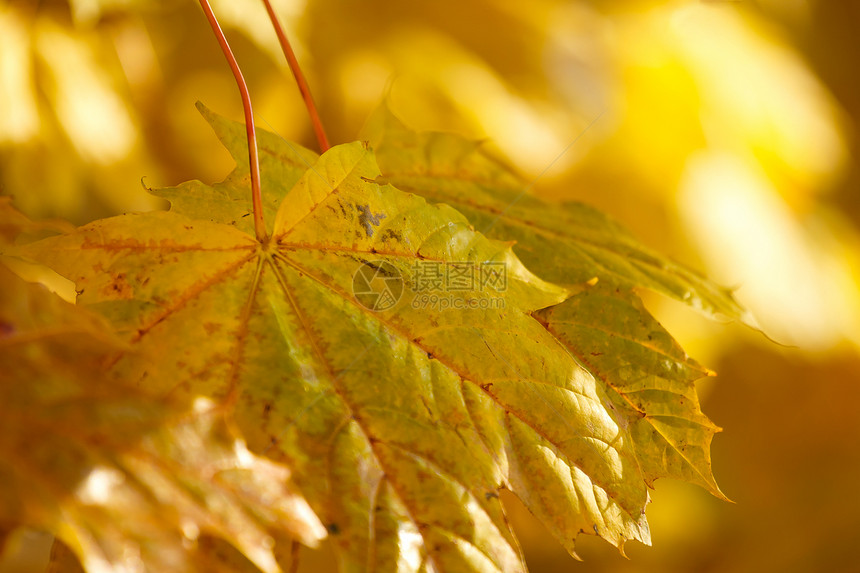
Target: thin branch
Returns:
[[300, 78], [253, 155]]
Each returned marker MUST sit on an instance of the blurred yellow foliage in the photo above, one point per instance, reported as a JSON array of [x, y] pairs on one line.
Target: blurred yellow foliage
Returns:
[[718, 131]]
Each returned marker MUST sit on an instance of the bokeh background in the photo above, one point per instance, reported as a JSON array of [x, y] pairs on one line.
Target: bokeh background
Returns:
[[721, 132]]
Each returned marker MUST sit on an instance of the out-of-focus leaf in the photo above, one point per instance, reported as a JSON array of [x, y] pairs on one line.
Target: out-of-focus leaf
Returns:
[[211, 554], [65, 104], [15, 226], [126, 481], [808, 263]]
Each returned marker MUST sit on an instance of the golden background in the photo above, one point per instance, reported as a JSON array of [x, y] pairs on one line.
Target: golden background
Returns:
[[720, 132]]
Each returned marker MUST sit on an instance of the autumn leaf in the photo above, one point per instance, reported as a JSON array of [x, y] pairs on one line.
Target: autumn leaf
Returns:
[[400, 423], [14, 225], [648, 377], [128, 482]]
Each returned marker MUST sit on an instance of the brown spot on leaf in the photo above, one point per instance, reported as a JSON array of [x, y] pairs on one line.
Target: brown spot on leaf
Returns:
[[211, 327], [393, 236], [118, 288]]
